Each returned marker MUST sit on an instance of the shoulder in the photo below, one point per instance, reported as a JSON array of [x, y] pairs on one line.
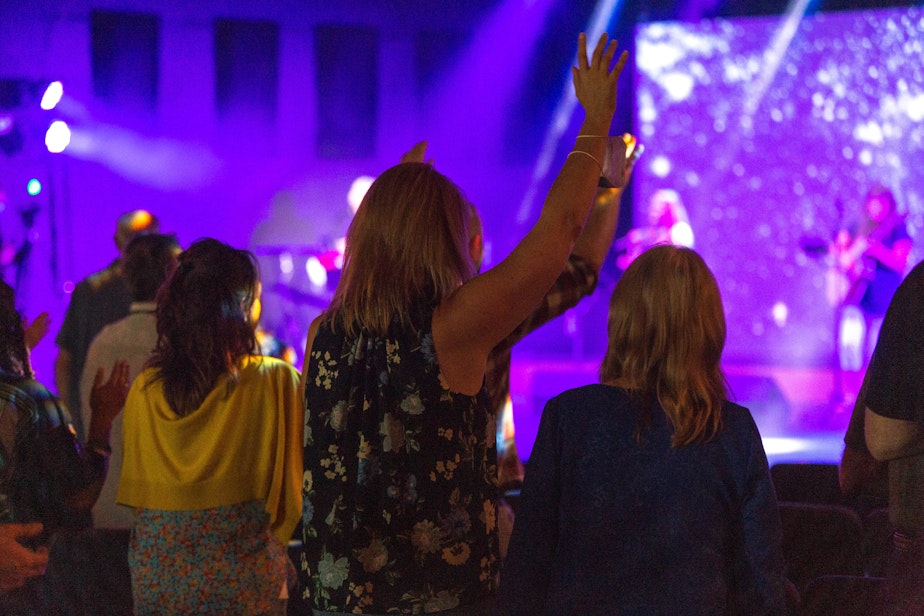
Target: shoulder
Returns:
[[145, 378], [17, 390], [103, 278], [33, 398], [903, 313], [595, 390], [915, 277], [737, 417], [110, 331], [263, 366], [735, 411], [580, 402], [739, 431]]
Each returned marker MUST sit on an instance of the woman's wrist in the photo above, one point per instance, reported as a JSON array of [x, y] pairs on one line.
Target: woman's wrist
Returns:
[[99, 446], [596, 125], [99, 435]]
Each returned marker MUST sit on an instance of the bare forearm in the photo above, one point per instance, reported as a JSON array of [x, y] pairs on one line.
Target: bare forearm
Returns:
[[597, 237], [570, 197], [63, 375]]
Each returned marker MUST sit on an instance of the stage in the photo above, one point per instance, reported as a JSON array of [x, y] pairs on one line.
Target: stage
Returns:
[[797, 410]]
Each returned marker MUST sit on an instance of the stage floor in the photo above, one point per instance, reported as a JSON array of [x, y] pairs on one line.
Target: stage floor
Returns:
[[800, 413]]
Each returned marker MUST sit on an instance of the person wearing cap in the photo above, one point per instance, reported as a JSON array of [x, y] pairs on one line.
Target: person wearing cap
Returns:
[[99, 299]]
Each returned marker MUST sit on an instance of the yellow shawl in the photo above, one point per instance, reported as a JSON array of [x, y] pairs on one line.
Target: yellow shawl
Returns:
[[241, 445]]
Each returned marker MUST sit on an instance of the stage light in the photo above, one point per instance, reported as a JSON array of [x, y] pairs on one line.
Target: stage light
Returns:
[[6, 123], [52, 95], [316, 271], [358, 190], [58, 137], [780, 313], [286, 266], [33, 187]]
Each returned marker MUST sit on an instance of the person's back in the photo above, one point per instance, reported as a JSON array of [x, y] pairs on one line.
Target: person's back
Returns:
[[650, 493], [211, 448], [419, 549], [639, 527]]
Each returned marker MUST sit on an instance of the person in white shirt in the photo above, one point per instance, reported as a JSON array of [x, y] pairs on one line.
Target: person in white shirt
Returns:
[[148, 259]]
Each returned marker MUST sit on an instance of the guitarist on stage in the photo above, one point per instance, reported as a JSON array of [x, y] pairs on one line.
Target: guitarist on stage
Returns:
[[668, 223], [867, 267]]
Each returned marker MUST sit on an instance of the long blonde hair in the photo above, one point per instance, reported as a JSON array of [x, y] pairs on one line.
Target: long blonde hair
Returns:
[[408, 243], [666, 334]]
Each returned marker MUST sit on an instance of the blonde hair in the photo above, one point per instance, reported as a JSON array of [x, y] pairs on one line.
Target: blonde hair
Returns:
[[666, 334], [407, 244]]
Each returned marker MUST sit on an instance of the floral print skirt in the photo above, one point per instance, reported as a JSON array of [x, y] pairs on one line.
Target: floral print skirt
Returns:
[[213, 561]]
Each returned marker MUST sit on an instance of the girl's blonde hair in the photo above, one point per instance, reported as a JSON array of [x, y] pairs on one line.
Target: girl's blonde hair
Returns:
[[408, 244], [666, 334]]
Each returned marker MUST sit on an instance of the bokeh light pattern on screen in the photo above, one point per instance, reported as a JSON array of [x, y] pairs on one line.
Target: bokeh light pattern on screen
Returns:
[[773, 147]]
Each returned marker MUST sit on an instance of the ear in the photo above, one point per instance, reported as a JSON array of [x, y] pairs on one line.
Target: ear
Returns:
[[476, 250]]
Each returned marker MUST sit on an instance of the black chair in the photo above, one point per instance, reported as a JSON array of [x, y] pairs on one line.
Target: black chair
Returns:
[[820, 540], [807, 482], [843, 595], [803, 482], [877, 542]]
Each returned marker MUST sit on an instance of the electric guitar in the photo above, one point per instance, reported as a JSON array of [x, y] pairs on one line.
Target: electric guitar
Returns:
[[851, 269]]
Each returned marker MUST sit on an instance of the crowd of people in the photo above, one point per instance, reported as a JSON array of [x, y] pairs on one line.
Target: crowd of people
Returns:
[[375, 469]]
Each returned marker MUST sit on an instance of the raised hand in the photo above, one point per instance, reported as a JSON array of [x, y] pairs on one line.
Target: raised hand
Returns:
[[36, 330], [595, 81], [416, 154], [107, 399]]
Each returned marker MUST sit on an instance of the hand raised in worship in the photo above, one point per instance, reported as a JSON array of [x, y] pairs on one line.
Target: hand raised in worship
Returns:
[[416, 154], [36, 330], [107, 399], [594, 81]]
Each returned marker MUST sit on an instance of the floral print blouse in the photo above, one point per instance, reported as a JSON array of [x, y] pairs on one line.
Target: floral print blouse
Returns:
[[400, 478]]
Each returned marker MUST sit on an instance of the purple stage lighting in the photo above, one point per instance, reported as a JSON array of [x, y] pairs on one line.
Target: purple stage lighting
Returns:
[[58, 137], [52, 95], [772, 130]]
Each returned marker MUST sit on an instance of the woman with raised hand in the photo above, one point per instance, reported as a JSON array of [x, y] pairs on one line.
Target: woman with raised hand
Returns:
[[400, 461], [211, 439]]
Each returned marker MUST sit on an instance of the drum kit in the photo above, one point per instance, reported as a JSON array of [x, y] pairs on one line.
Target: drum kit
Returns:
[[300, 274]]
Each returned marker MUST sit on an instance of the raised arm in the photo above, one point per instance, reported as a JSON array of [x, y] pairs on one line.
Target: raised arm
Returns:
[[597, 237], [106, 402], [468, 324]]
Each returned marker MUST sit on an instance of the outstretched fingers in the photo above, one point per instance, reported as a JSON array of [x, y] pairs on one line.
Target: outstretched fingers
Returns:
[[621, 63], [603, 54], [603, 51], [582, 52]]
